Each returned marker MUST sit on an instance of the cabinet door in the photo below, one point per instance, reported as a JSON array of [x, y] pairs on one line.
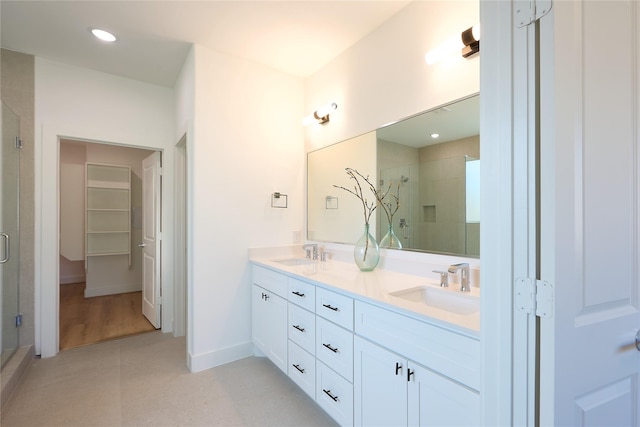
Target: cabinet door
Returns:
[[435, 400], [269, 325], [380, 386]]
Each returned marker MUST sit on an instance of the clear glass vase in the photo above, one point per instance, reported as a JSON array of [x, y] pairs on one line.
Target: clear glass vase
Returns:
[[390, 240], [366, 253]]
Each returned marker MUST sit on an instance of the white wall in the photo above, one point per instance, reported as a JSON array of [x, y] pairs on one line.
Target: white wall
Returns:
[[72, 160], [247, 143], [184, 105], [83, 104], [384, 77]]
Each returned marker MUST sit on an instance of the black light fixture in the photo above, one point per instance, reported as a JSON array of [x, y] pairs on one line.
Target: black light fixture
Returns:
[[471, 41]]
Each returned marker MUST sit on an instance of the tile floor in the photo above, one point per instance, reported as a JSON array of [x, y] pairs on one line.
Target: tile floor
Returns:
[[143, 380]]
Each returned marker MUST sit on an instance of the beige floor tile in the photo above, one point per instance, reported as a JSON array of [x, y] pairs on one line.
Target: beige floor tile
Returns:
[[143, 381]]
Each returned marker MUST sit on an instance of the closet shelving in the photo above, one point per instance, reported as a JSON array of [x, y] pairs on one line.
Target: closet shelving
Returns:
[[108, 210]]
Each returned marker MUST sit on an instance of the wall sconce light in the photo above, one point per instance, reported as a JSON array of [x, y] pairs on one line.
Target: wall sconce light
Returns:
[[471, 41], [321, 115], [468, 43]]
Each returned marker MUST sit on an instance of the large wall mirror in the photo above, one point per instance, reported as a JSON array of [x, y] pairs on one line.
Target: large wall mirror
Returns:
[[431, 161]]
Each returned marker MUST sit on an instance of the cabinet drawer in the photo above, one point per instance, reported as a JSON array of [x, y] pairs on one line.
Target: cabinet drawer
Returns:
[[270, 280], [335, 307], [302, 369], [450, 353], [302, 328], [334, 394], [302, 294], [334, 346]]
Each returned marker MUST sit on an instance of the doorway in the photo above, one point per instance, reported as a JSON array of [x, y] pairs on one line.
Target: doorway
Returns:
[[101, 242]]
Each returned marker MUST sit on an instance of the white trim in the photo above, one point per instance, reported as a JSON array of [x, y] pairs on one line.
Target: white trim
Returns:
[[505, 397], [66, 280], [203, 361], [47, 233], [180, 230], [112, 290]]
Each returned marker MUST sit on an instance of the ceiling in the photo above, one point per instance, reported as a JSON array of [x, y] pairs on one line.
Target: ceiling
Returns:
[[454, 121], [154, 37]]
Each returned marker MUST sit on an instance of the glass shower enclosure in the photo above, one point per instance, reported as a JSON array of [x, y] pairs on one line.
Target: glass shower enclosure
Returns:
[[9, 229]]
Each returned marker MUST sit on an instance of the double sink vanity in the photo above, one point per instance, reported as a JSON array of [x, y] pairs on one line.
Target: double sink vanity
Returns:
[[371, 348], [384, 347]]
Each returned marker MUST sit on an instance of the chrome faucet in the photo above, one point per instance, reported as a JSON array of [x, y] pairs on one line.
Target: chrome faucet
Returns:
[[444, 278], [464, 275], [311, 246]]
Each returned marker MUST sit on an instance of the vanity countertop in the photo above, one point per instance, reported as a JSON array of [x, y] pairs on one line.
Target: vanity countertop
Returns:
[[377, 286]]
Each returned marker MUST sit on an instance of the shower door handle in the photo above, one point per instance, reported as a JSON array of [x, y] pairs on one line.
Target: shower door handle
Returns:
[[7, 248]]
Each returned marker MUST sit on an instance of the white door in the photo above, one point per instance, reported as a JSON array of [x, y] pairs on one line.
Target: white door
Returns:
[[151, 278], [590, 213]]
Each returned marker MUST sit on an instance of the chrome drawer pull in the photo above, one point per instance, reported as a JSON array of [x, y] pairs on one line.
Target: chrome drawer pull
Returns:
[[298, 294], [330, 307], [328, 393], [7, 248], [299, 368], [298, 328], [334, 349]]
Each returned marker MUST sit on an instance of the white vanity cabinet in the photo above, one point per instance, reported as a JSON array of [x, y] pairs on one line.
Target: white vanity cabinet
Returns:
[[366, 363], [391, 388], [301, 331], [380, 382], [269, 315], [334, 353]]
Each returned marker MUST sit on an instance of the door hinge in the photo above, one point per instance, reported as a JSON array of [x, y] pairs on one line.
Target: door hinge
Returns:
[[534, 296], [18, 142], [159, 300], [529, 11], [18, 320], [160, 171]]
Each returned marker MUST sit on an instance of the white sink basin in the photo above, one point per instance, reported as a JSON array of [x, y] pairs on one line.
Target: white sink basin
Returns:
[[292, 262], [444, 299]]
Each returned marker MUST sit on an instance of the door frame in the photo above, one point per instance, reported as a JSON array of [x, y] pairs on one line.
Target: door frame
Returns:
[[47, 233], [181, 238], [508, 210]]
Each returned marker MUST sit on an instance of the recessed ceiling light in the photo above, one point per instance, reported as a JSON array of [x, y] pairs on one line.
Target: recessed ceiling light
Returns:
[[435, 135], [103, 35]]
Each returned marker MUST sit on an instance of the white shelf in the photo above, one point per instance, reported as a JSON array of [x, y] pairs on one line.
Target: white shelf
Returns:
[[108, 210]]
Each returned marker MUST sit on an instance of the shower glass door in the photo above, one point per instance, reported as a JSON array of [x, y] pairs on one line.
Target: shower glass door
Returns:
[[9, 261]]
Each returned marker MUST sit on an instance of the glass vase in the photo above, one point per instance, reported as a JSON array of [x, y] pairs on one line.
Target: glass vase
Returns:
[[390, 240], [366, 253]]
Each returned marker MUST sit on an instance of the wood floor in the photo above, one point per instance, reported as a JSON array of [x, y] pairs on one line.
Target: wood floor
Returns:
[[91, 320]]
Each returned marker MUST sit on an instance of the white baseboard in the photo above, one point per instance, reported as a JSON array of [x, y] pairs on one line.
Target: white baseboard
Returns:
[[64, 280], [219, 357], [111, 290]]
